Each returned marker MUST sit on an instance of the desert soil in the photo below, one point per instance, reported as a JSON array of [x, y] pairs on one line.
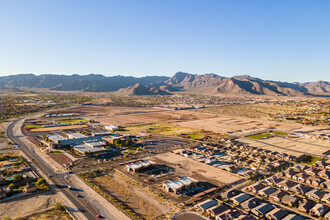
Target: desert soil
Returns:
[[28, 205], [50, 214], [127, 116], [191, 166], [135, 197]]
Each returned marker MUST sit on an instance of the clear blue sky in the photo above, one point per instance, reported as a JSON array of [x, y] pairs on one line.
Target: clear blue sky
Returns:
[[287, 40]]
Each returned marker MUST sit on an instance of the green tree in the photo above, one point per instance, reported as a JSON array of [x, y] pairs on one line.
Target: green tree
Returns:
[[59, 206], [116, 142], [128, 142], [40, 181], [18, 178], [4, 157]]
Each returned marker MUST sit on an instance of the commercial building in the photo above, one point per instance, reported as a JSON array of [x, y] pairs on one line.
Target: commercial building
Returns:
[[90, 146], [135, 167], [75, 135], [111, 128], [178, 185]]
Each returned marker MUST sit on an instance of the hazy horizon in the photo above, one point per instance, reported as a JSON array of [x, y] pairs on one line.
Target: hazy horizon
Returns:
[[170, 75], [272, 40]]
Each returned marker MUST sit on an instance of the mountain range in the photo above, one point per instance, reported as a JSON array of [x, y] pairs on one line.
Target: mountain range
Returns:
[[162, 85]]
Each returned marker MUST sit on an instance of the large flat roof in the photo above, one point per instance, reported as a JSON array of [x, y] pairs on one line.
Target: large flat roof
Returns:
[[111, 127], [179, 182], [80, 140], [140, 164], [86, 148], [101, 133], [56, 137], [76, 135], [95, 143]]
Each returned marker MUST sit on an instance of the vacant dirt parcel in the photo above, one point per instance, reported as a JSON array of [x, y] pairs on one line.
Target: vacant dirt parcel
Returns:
[[294, 146], [134, 197], [52, 214], [23, 207], [194, 166], [227, 124], [128, 116], [159, 128]]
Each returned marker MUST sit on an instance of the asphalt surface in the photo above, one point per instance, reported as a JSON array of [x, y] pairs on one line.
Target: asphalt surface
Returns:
[[59, 180]]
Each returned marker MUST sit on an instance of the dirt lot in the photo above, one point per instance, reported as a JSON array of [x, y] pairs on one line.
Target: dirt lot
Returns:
[[127, 116], [3, 140], [28, 205], [159, 128], [227, 124], [294, 146], [136, 198], [50, 214], [107, 110], [60, 158], [192, 166], [255, 111]]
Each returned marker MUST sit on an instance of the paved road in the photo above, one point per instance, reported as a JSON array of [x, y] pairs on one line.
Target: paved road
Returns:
[[85, 209]]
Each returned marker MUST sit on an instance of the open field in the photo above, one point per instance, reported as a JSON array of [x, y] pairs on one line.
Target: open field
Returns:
[[33, 126], [256, 111], [2, 134], [58, 128], [136, 116], [294, 146], [280, 133], [156, 117], [227, 124], [3, 140], [191, 166], [196, 136], [267, 135], [28, 205], [259, 136], [107, 110], [136, 198], [72, 121], [160, 128]]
